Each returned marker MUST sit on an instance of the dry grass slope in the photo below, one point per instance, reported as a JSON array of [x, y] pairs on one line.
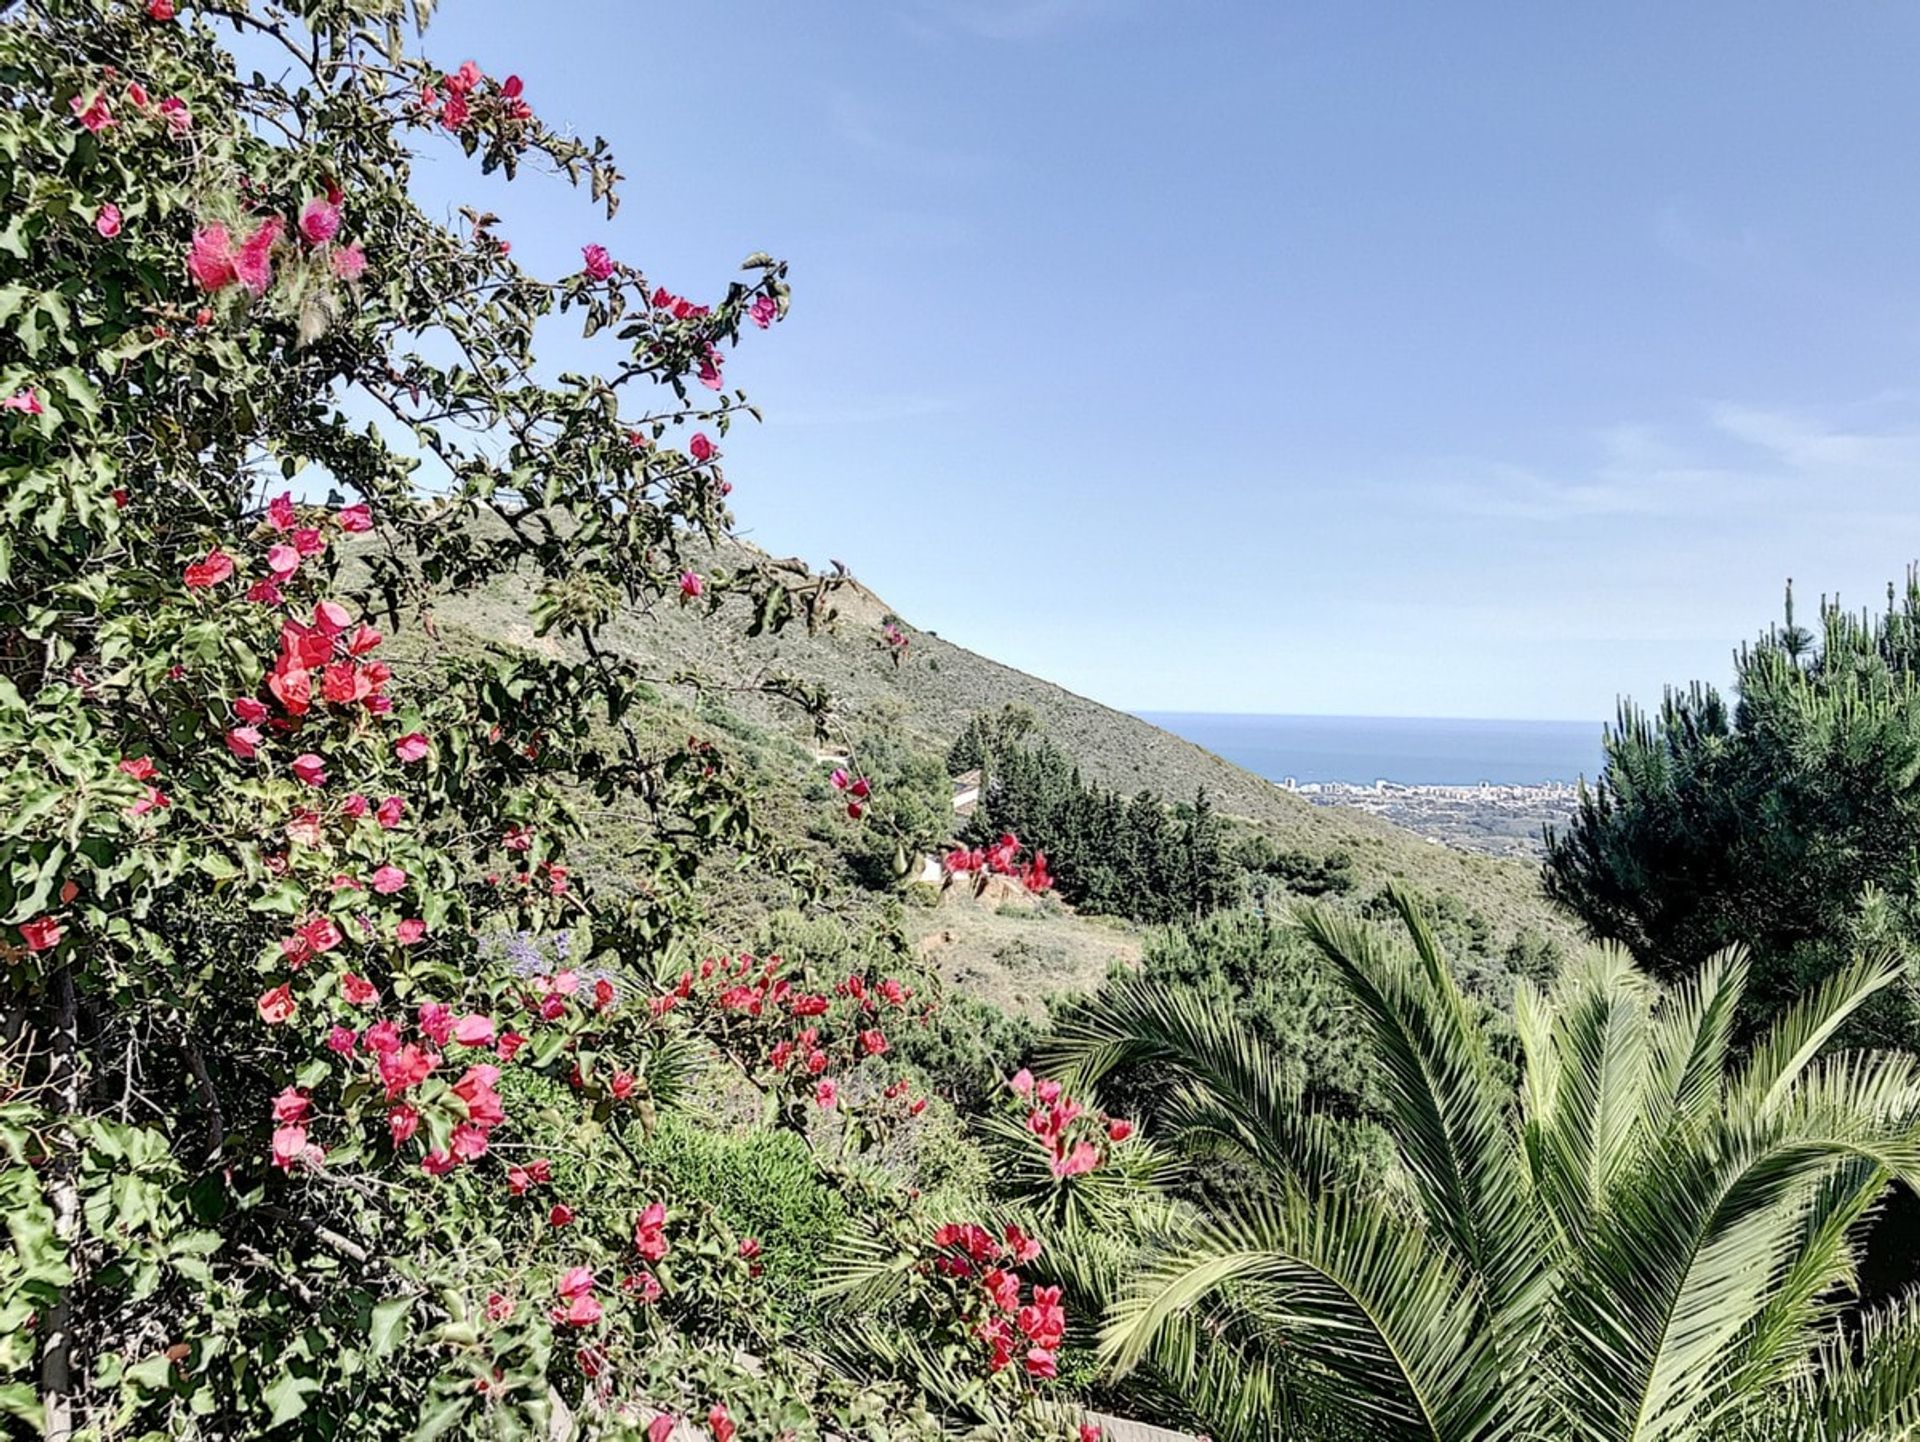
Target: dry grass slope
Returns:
[[941, 686]]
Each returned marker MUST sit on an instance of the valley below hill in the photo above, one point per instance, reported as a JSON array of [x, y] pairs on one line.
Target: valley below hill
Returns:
[[931, 689]]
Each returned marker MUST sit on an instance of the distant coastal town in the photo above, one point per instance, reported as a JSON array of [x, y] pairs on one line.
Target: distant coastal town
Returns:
[[1497, 819]]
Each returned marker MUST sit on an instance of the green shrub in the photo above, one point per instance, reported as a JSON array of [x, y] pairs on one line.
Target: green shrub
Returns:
[[761, 1184]]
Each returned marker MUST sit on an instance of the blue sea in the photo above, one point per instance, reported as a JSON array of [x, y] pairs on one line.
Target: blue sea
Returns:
[[1413, 751]]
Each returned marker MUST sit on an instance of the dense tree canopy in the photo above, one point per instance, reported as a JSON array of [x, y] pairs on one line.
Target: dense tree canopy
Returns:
[[1786, 819]]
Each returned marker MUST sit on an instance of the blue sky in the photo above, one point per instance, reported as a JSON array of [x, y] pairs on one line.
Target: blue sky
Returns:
[[1459, 360]]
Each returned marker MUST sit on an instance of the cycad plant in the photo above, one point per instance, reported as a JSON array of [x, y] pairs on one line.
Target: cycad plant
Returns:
[[1615, 1229]]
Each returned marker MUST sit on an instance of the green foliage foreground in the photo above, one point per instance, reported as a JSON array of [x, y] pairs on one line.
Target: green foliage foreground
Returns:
[[326, 1078], [1629, 1232]]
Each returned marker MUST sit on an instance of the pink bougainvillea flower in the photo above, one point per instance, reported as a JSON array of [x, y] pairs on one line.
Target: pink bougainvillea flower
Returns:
[[411, 747], [210, 570], [826, 1093], [469, 1142], [1090, 1432], [283, 561], [276, 1005], [363, 640], [140, 768], [622, 1084], [719, 1423], [691, 586], [93, 111], [402, 1122], [454, 113], [390, 811], [406, 1067], [1118, 1130], [1083, 1158], [1041, 1363], [357, 990], [599, 265], [500, 1308], [291, 1106], [244, 742], [27, 402], [160, 10], [342, 1039], [330, 618], [43, 933], [855, 810], [253, 264], [1022, 1083], [290, 1148], [249, 709], [210, 260], [321, 933], [310, 769], [763, 310], [354, 807], [438, 1163], [264, 593], [700, 448], [280, 512], [650, 1232], [389, 879], [582, 1311], [838, 779], [660, 1429], [319, 220], [436, 1021], [179, 119], [561, 1215], [107, 220], [474, 1030], [350, 263], [510, 1043], [309, 541], [709, 371], [410, 932], [873, 1042], [356, 518]]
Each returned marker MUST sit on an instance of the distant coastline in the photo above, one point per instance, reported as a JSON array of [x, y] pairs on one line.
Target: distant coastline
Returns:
[[1481, 785], [1404, 750]]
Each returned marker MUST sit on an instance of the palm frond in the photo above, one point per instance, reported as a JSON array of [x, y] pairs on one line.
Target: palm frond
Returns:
[[1452, 1116], [1859, 1390], [1792, 1042], [1364, 1294], [1247, 1099], [1692, 1031]]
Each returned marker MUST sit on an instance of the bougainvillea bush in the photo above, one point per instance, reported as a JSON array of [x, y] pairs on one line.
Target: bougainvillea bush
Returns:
[[290, 1139]]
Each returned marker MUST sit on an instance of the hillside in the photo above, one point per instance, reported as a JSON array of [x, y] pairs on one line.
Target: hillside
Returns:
[[941, 686]]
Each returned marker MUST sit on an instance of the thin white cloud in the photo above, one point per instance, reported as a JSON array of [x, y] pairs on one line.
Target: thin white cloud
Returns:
[[1740, 457], [1820, 449]]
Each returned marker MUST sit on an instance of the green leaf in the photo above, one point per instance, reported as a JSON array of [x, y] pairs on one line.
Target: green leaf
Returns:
[[388, 1324]]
